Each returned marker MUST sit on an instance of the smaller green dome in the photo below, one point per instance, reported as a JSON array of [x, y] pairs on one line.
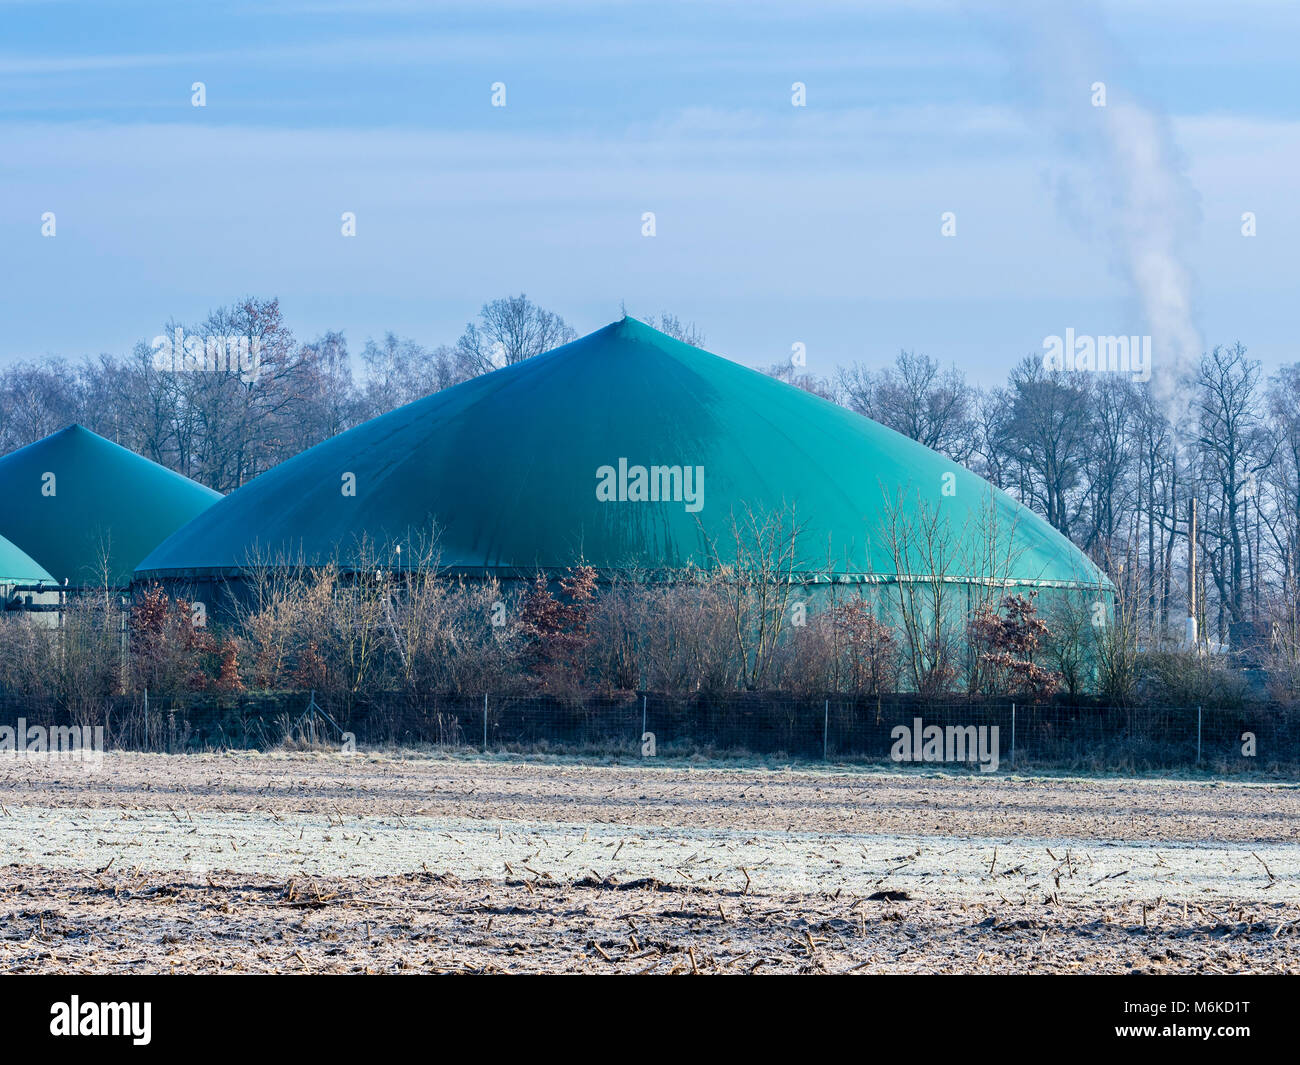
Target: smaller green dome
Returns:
[[18, 567], [74, 498]]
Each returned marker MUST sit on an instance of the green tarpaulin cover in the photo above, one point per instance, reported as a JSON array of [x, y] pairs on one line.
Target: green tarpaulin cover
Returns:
[[542, 464], [73, 496]]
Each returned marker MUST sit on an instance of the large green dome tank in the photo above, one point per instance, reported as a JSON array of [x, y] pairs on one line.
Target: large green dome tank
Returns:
[[532, 469]]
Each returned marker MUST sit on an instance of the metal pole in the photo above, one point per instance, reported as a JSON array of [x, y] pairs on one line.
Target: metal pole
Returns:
[[1198, 735], [826, 727], [485, 699], [1193, 613], [643, 721], [1013, 733]]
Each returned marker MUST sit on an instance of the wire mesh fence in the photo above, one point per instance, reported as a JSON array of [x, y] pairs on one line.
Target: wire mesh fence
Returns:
[[983, 735]]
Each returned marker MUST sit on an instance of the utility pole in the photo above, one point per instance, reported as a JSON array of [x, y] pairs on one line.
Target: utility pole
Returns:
[[1192, 612]]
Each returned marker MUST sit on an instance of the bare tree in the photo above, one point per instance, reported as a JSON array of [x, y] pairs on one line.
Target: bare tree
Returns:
[[803, 380], [1233, 452], [509, 331], [757, 572], [687, 333], [1108, 481], [1045, 431], [400, 371], [917, 398]]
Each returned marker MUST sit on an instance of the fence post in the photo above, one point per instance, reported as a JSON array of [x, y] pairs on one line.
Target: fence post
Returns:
[[1198, 737], [826, 727], [641, 739], [1013, 733], [485, 705], [146, 719]]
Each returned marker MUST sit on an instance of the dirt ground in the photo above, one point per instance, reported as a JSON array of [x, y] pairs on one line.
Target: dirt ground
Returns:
[[391, 862]]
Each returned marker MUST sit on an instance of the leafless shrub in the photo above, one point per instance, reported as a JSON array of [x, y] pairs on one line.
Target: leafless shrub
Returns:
[[941, 577], [1190, 678], [677, 636], [1005, 640], [755, 572]]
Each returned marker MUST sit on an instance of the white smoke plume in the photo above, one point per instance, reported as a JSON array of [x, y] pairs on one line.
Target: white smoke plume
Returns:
[[1124, 182]]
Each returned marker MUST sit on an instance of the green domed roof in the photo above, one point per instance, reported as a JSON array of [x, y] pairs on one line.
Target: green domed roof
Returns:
[[74, 495], [512, 468], [17, 567]]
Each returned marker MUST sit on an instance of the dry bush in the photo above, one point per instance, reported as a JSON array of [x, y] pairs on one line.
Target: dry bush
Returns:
[[91, 658], [845, 648], [1190, 678], [557, 641], [170, 653], [77, 666], [455, 635], [29, 657], [267, 617], [1282, 659], [616, 622], [1116, 652], [922, 545], [1070, 648], [677, 637], [324, 630], [868, 655], [807, 663], [753, 572], [1004, 641], [389, 623]]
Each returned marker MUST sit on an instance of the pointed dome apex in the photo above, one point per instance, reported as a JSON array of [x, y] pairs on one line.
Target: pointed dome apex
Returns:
[[617, 339], [633, 326], [637, 330]]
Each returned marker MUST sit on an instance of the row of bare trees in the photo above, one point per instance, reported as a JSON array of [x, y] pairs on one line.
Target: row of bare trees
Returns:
[[954, 625], [366, 639], [1117, 471], [1096, 454], [223, 428]]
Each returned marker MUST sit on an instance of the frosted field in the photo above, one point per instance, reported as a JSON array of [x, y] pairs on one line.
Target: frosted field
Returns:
[[764, 862], [426, 863]]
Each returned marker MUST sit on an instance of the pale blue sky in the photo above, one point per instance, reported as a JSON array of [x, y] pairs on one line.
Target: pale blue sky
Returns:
[[775, 224]]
